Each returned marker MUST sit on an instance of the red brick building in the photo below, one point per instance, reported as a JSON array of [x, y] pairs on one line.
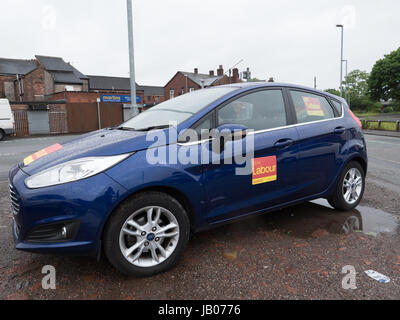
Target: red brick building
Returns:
[[49, 95], [183, 82]]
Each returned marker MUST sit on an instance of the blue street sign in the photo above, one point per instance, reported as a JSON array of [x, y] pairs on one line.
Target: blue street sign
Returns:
[[118, 98]]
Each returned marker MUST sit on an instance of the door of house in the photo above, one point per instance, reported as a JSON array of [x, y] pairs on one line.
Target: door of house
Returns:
[[38, 122]]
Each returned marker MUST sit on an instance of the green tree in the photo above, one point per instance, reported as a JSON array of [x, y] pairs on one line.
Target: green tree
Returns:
[[384, 82], [333, 91], [356, 84]]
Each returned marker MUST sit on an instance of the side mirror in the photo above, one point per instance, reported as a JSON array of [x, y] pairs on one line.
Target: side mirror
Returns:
[[232, 131], [228, 132]]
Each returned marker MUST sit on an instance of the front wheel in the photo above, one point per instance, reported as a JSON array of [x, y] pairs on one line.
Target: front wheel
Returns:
[[147, 235], [350, 188]]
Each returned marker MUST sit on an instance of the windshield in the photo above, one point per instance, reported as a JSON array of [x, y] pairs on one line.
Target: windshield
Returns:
[[176, 110]]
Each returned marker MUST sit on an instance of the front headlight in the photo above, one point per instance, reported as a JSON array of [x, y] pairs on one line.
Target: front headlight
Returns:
[[73, 170]]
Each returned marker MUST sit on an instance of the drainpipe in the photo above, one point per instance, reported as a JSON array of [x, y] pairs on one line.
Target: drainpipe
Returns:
[[20, 87]]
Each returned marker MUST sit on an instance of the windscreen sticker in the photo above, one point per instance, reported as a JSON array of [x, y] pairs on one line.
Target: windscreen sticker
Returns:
[[264, 170], [42, 153], [313, 106]]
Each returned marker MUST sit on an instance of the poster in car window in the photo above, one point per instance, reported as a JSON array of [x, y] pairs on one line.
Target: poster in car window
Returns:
[[264, 170], [313, 106]]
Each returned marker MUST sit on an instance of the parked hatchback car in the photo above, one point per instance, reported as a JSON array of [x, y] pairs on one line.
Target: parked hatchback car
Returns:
[[102, 192]]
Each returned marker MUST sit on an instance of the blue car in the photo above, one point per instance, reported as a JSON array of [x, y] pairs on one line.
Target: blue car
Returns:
[[135, 192]]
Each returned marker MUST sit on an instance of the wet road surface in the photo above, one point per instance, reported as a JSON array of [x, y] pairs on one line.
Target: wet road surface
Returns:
[[13, 150], [384, 160], [295, 253]]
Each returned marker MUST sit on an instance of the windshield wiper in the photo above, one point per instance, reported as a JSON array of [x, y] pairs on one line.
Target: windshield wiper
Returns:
[[154, 128], [125, 129]]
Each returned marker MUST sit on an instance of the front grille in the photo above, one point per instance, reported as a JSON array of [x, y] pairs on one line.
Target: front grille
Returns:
[[15, 207]]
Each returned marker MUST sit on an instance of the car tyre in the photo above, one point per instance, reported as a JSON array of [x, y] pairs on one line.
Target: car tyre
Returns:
[[120, 236], [2, 135], [350, 188]]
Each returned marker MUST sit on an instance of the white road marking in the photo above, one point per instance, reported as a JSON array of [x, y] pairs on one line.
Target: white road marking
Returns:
[[9, 154]]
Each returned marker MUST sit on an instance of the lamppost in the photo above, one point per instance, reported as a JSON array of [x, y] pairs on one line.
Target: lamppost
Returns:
[[347, 95], [341, 61], [131, 57]]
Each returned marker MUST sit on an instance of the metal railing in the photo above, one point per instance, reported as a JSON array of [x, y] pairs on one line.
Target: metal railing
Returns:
[[366, 124]]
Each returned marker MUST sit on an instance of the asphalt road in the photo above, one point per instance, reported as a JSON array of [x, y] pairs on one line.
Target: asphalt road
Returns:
[[384, 160], [14, 150], [296, 253]]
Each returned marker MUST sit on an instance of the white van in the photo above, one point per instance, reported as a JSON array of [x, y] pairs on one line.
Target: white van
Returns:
[[6, 119]]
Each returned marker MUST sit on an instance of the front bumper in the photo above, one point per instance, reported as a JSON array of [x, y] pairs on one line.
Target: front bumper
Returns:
[[9, 131], [89, 201]]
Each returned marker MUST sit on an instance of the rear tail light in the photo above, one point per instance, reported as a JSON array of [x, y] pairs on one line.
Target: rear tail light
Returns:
[[355, 118]]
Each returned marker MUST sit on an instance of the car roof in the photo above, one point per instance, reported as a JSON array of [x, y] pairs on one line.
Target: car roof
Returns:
[[254, 85]]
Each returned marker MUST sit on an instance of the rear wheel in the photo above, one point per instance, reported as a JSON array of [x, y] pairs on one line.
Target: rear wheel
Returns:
[[350, 188], [2, 134], [147, 235]]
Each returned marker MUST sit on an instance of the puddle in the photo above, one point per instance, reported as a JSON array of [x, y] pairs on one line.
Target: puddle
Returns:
[[316, 219], [369, 220]]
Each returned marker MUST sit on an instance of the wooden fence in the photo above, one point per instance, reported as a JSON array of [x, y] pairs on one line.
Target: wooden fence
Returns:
[[21, 123]]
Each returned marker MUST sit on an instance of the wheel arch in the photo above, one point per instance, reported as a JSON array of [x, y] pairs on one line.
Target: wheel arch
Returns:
[[173, 192], [361, 161]]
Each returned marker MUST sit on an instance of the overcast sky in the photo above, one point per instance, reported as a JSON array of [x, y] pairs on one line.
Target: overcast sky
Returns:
[[292, 41]]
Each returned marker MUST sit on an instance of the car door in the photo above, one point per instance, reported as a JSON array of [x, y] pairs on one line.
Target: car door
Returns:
[[322, 137], [271, 179]]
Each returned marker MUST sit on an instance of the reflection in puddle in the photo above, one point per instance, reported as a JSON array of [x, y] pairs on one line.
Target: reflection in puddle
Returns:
[[371, 220], [305, 219]]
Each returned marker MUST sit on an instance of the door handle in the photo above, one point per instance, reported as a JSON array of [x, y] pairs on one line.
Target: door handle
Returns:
[[284, 143], [340, 130]]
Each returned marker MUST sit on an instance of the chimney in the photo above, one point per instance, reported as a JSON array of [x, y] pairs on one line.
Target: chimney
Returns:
[[236, 75], [196, 71], [212, 73], [220, 71]]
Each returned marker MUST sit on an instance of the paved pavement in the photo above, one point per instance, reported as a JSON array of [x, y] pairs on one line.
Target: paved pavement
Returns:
[[296, 253]]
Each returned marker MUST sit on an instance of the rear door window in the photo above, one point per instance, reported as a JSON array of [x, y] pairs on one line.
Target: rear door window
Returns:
[[338, 107], [311, 107]]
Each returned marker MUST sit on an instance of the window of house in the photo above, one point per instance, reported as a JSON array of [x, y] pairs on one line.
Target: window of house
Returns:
[[259, 111], [171, 93], [183, 90], [311, 107], [191, 89]]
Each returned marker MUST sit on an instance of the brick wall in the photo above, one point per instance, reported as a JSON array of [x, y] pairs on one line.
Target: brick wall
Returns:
[[177, 83], [34, 84]]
